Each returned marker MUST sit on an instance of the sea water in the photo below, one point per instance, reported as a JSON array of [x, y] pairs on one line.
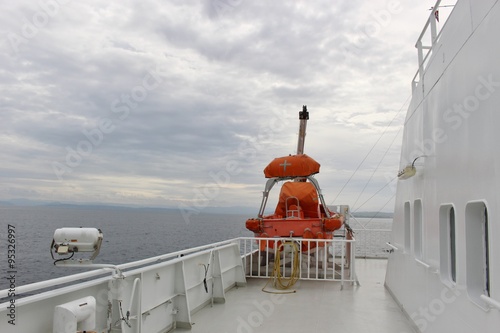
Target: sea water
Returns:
[[129, 235]]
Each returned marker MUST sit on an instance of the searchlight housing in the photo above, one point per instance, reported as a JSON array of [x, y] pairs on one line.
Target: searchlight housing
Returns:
[[73, 240], [69, 241]]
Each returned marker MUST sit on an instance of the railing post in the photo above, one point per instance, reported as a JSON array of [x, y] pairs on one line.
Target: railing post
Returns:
[[352, 269], [432, 19], [309, 261], [348, 254], [413, 85], [251, 259], [342, 264], [420, 60]]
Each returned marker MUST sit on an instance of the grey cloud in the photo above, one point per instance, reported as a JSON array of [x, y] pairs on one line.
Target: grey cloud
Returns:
[[225, 80]]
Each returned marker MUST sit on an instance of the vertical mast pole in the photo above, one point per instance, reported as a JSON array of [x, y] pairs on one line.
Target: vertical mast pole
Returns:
[[303, 117]]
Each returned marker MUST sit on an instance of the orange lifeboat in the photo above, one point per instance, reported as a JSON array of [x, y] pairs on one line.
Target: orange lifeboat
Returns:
[[292, 166], [301, 211]]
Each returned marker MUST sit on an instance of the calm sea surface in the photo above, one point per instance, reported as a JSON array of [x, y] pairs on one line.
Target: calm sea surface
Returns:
[[129, 235]]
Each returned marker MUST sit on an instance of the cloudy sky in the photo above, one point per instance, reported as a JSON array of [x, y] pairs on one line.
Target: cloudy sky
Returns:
[[184, 102]]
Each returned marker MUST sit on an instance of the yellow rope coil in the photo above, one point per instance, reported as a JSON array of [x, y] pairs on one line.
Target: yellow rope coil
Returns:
[[281, 282]]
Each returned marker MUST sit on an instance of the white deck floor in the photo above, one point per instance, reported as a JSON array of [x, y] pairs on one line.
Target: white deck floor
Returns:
[[317, 306]]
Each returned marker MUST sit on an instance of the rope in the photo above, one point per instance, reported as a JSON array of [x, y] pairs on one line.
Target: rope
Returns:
[[281, 282]]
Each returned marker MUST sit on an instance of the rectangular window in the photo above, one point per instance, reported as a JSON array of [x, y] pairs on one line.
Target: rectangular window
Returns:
[[447, 241], [417, 229], [407, 227], [453, 255], [486, 254], [477, 245]]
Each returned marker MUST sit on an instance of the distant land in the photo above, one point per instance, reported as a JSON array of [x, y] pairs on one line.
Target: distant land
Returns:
[[244, 210], [380, 215], [210, 210]]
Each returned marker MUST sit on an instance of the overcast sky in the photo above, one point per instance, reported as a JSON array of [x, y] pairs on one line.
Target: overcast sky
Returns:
[[183, 102]]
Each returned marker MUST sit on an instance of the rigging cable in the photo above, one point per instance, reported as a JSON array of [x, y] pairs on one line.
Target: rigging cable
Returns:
[[376, 169], [387, 184], [371, 149], [380, 210]]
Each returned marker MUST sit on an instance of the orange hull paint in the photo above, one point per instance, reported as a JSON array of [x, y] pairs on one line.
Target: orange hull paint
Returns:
[[309, 228]]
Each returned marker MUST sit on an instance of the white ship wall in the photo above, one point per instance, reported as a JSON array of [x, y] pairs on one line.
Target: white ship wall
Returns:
[[453, 126]]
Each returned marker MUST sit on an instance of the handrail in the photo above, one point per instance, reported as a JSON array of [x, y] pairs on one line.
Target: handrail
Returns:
[[298, 239], [132, 294], [431, 21], [492, 302], [79, 276], [175, 254], [392, 246], [317, 261], [142, 297], [54, 282], [422, 263], [174, 257], [421, 62]]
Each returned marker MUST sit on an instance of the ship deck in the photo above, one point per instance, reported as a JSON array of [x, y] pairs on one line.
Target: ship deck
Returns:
[[316, 306]]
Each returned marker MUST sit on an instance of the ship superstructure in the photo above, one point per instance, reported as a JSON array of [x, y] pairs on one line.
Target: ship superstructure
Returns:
[[444, 269]]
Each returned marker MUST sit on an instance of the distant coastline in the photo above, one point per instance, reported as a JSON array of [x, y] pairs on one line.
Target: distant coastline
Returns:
[[208, 210], [379, 215]]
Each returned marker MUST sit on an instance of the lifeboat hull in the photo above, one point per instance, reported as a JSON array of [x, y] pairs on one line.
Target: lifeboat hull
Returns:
[[309, 228]]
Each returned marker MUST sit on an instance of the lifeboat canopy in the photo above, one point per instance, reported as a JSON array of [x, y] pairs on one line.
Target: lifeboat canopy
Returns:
[[292, 166]]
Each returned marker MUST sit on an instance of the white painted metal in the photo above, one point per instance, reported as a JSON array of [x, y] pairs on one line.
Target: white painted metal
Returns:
[[82, 239], [76, 315], [491, 302], [452, 124], [324, 260], [316, 306], [154, 298], [159, 295]]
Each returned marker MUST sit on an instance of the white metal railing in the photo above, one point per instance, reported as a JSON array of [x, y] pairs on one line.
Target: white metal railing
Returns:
[[38, 286], [431, 21], [137, 290], [430, 30], [171, 287], [321, 261], [326, 259], [491, 302], [372, 243]]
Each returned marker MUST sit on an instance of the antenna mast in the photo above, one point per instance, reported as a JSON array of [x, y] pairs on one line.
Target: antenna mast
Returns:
[[303, 116]]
